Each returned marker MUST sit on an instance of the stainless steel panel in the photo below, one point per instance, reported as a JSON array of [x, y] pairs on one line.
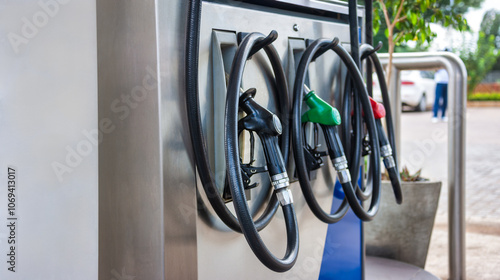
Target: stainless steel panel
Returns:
[[223, 48], [178, 171], [336, 6], [48, 121], [120, 85], [222, 253], [146, 177]]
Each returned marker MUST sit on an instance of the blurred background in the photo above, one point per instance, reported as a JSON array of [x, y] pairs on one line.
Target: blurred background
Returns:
[[470, 29]]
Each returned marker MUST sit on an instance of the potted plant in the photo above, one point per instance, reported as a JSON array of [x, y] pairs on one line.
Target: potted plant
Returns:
[[403, 232]]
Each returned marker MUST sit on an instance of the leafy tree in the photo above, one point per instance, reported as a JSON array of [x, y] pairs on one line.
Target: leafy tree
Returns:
[[479, 58], [409, 20], [491, 26], [403, 47], [458, 6]]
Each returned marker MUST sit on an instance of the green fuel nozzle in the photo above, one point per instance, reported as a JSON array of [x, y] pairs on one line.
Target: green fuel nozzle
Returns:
[[320, 112]]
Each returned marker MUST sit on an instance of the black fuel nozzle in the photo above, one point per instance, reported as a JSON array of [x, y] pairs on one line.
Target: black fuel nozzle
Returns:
[[268, 127], [258, 118]]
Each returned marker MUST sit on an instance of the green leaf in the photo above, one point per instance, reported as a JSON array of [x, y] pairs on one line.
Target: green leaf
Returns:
[[386, 32], [447, 21], [439, 14], [423, 7], [422, 36], [414, 18], [376, 27], [421, 24], [407, 25], [394, 6], [464, 26]]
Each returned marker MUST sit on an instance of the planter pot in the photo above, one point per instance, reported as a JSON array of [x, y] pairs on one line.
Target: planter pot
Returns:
[[403, 232]]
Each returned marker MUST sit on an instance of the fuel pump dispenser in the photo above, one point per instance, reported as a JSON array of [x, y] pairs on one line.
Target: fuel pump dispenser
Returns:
[[236, 42], [224, 28], [268, 127], [196, 132], [179, 153], [335, 148]]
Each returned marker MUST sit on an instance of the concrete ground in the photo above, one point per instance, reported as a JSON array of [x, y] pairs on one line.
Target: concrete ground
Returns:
[[425, 145]]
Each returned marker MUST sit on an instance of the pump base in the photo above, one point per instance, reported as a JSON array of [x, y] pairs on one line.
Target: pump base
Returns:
[[386, 269]]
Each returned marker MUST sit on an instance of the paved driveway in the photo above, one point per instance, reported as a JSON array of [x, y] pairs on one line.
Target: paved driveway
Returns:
[[425, 145]]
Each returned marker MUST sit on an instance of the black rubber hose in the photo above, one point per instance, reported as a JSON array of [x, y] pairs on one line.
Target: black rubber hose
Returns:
[[393, 172], [353, 150], [233, 166], [358, 83], [335, 148], [390, 164], [352, 135], [354, 155], [195, 126], [353, 31], [336, 151], [385, 96], [396, 184], [297, 144], [369, 41], [345, 136], [369, 21]]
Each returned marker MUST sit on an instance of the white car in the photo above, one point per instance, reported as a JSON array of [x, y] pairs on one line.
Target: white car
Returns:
[[418, 89]]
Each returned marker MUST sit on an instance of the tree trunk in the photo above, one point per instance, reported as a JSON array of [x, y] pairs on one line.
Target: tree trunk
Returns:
[[391, 52]]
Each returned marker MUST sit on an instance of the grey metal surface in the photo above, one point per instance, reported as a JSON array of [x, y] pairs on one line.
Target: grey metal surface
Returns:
[[223, 48], [48, 121], [178, 171], [396, 106], [385, 269], [457, 93], [217, 246], [324, 5], [120, 86], [403, 232], [147, 227]]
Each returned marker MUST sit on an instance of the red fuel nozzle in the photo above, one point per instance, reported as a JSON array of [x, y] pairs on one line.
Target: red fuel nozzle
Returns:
[[378, 109]]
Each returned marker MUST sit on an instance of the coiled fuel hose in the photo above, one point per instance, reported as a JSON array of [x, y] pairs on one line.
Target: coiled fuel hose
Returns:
[[354, 141], [268, 127], [352, 136], [335, 148], [326, 116], [387, 141], [196, 131]]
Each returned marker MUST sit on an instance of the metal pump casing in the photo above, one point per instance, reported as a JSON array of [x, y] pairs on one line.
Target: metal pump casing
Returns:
[[131, 208]]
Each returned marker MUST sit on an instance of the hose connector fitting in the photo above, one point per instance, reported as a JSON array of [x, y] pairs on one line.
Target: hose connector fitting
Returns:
[[284, 196], [280, 181], [340, 164], [386, 153]]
